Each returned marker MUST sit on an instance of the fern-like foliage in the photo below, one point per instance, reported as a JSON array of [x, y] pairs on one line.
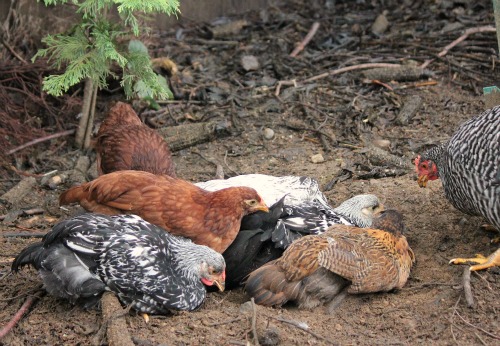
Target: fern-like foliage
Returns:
[[92, 47]]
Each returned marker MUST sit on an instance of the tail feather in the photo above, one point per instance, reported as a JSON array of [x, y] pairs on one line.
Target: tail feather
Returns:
[[269, 287], [73, 195], [31, 255]]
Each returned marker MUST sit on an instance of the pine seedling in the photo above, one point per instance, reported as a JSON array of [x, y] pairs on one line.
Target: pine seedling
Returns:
[[95, 45]]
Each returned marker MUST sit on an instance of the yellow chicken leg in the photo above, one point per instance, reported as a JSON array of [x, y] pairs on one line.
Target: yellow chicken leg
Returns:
[[482, 262], [146, 317]]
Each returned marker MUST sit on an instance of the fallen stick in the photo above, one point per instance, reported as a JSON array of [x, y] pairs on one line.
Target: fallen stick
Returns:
[[401, 74], [350, 68], [254, 323], [302, 327], [187, 135], [332, 73], [469, 298], [411, 105], [15, 195], [19, 314], [462, 38], [300, 47], [40, 140], [112, 313], [478, 328]]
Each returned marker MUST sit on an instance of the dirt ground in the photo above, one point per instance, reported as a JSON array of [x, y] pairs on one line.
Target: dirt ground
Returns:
[[348, 112]]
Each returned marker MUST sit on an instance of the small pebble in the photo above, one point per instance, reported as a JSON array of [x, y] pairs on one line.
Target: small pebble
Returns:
[[382, 143], [268, 133], [380, 25], [56, 180], [318, 158], [250, 63]]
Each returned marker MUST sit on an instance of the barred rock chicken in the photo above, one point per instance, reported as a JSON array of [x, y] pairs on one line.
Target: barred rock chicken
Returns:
[[264, 236], [145, 266], [469, 167], [315, 269], [208, 218], [125, 143]]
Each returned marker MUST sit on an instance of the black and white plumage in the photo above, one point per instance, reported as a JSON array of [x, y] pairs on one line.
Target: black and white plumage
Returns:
[[468, 165], [298, 207], [145, 266]]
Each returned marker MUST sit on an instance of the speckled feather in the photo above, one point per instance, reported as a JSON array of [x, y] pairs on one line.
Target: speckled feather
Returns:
[[125, 143], [145, 266], [367, 260], [208, 218], [469, 166]]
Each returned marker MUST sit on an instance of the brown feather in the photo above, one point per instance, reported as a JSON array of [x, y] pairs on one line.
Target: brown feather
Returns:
[[125, 143], [181, 208], [315, 268]]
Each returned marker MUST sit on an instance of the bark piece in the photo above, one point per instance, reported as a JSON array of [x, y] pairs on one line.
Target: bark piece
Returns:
[[15, 195], [399, 74], [380, 157], [187, 135], [112, 314], [410, 107]]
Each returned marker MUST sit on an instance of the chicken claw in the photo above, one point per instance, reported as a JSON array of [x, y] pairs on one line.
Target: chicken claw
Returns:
[[146, 317], [482, 262]]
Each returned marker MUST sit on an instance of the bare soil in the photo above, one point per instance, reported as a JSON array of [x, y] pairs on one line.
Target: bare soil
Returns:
[[353, 115]]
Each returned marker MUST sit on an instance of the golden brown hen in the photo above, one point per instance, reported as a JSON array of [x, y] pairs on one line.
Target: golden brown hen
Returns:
[[316, 268], [208, 218], [124, 142]]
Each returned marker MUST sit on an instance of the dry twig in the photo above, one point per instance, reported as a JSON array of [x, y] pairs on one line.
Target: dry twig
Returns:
[[462, 38], [19, 314], [469, 298], [478, 328], [302, 327], [306, 40], [40, 140], [254, 323], [332, 73], [112, 314]]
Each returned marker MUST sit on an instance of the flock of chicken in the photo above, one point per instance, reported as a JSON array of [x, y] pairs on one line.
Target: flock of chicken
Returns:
[[157, 241]]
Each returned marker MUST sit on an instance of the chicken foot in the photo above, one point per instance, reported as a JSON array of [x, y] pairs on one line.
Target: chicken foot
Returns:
[[482, 262]]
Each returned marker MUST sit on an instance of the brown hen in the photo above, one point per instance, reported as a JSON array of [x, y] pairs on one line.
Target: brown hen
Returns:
[[316, 268], [124, 142], [208, 218]]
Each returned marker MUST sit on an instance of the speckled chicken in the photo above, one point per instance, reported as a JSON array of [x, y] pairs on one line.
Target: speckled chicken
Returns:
[[264, 236], [125, 143], [208, 218], [468, 165], [145, 266], [317, 268]]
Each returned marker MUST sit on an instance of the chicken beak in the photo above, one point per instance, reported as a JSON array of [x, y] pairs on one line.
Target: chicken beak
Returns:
[[263, 207], [220, 285], [422, 180]]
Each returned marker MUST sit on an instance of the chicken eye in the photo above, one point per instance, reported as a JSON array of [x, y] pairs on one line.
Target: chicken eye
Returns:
[[424, 165], [252, 202]]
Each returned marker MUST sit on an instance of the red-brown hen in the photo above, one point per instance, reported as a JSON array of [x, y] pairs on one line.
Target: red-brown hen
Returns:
[[208, 218], [125, 143]]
